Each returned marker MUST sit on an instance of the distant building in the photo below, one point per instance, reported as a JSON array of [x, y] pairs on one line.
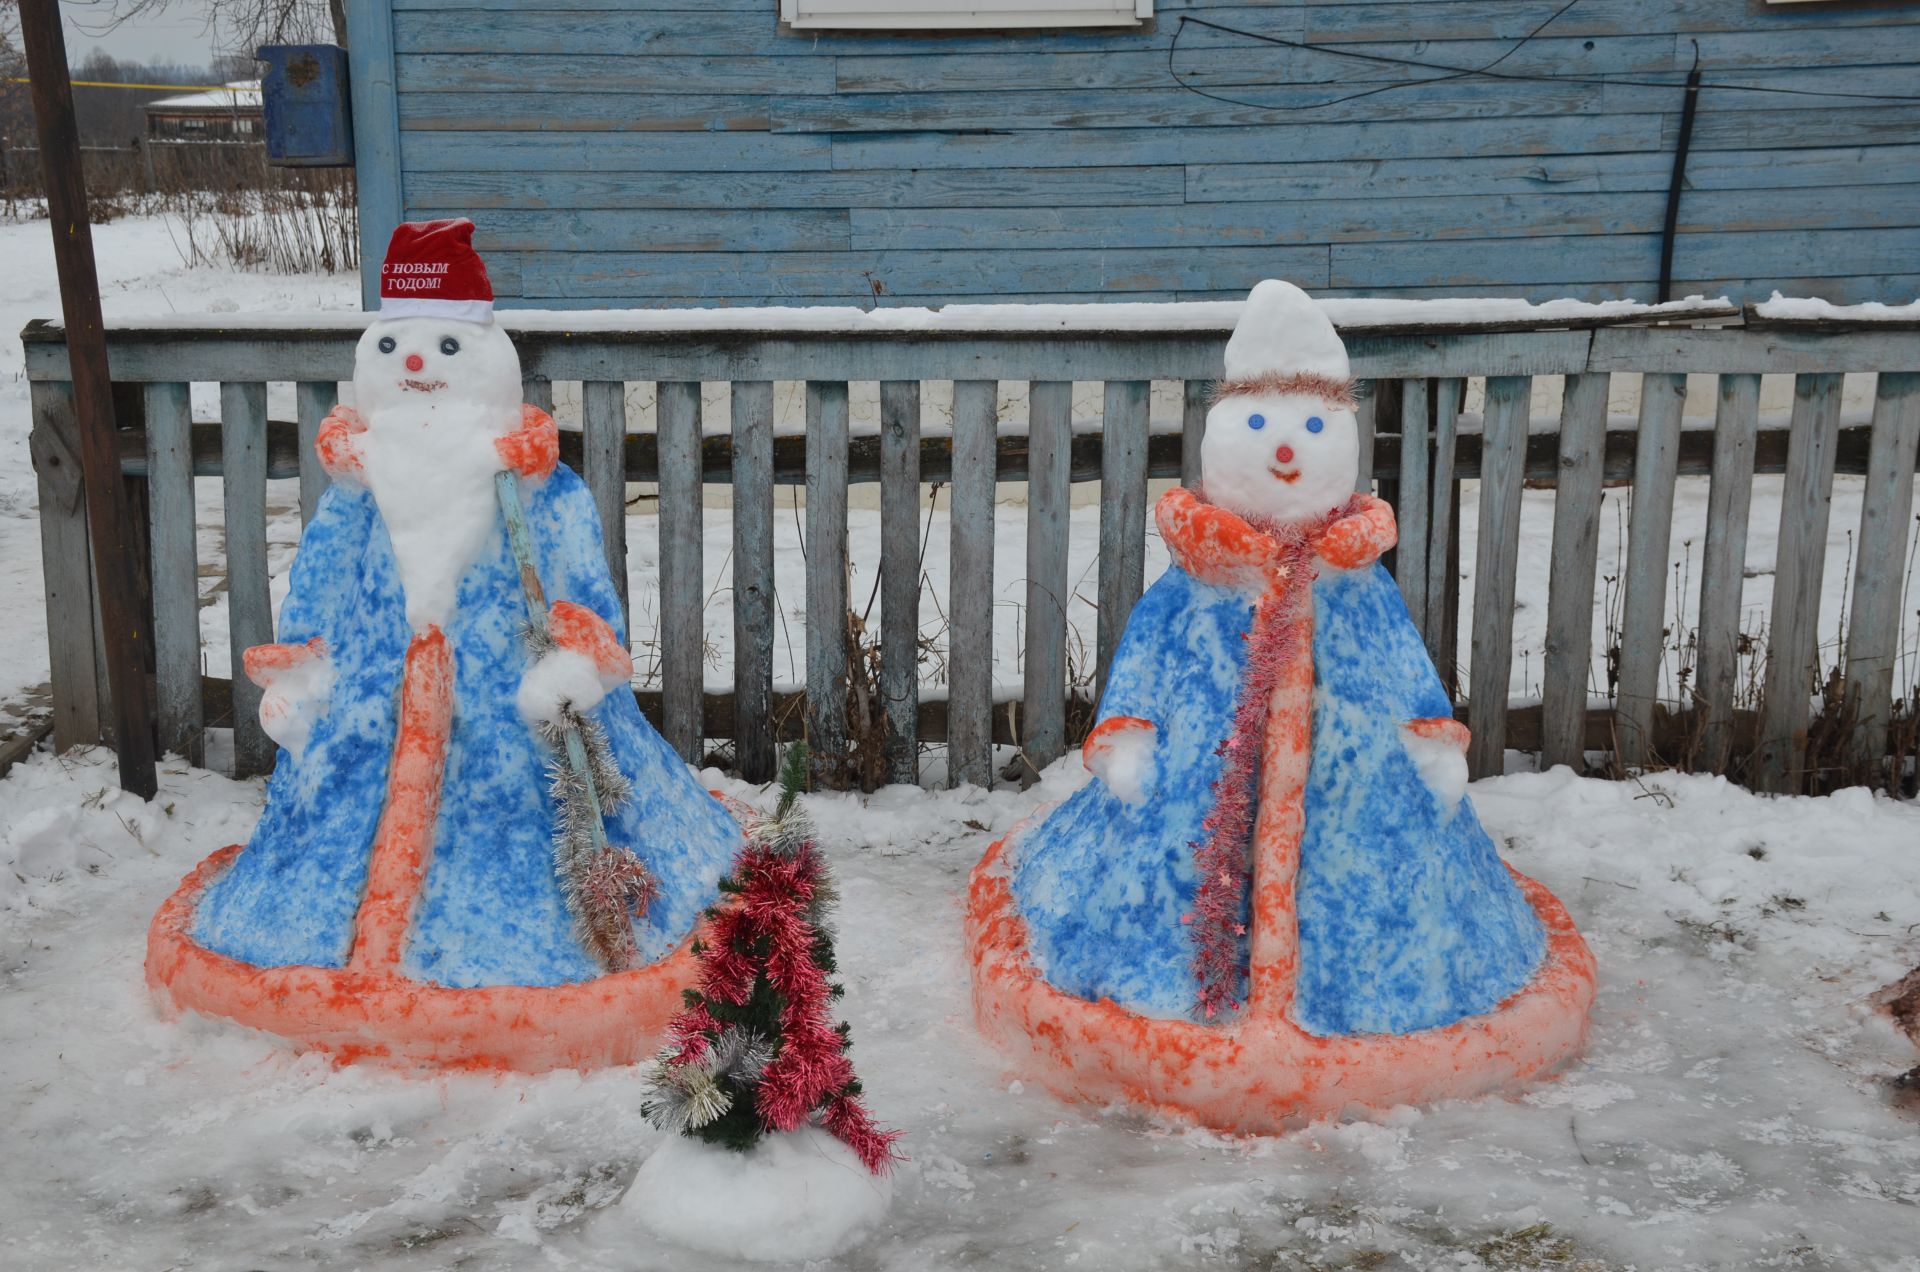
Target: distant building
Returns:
[[230, 113]]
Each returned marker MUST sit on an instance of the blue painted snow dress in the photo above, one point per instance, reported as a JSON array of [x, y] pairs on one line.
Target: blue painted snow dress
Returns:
[[1407, 918], [490, 909]]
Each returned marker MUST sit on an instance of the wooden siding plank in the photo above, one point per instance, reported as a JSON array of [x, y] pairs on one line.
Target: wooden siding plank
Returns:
[[682, 587], [827, 579], [852, 275], [1482, 178], [970, 602], [1193, 429], [66, 565], [1016, 187], [1649, 536], [1043, 734], [1410, 560], [1889, 81], [753, 580], [1570, 584], [1886, 520], [1495, 563], [176, 569], [1235, 70], [1442, 578], [502, 151], [1105, 147], [584, 112], [243, 439], [1779, 762], [603, 420], [788, 230], [378, 157], [900, 575], [1174, 107], [1123, 513], [313, 399], [1434, 20], [632, 79], [1814, 126], [1723, 565]]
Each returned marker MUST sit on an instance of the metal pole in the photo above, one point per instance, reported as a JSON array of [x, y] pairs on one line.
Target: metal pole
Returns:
[[1679, 179], [113, 547]]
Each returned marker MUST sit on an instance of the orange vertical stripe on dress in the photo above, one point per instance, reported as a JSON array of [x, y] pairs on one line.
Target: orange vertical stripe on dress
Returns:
[[404, 840], [1274, 947]]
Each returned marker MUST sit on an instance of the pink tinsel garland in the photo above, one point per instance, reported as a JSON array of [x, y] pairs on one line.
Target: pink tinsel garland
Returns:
[[1221, 859]]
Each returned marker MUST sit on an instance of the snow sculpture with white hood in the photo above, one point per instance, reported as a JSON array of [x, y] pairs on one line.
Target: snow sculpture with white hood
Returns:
[[408, 849], [1274, 898]]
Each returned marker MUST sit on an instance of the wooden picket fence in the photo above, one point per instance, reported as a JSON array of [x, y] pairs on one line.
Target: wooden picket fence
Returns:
[[1416, 451]]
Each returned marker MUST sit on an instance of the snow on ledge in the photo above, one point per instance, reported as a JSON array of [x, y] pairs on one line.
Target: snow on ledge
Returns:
[[1349, 314], [1780, 308]]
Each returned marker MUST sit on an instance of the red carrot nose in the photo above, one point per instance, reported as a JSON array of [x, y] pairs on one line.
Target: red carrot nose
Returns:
[[1284, 454], [415, 362]]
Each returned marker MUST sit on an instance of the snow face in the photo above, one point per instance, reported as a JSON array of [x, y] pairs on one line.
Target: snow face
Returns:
[[800, 1195], [1281, 457], [435, 393]]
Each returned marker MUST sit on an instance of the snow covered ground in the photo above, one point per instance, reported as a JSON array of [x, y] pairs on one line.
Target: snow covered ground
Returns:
[[1733, 1110]]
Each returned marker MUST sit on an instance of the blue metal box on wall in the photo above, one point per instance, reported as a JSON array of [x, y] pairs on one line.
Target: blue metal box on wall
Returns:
[[657, 152], [305, 97]]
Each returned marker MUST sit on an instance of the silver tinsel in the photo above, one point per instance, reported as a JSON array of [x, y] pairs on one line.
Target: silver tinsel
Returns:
[[686, 1096]]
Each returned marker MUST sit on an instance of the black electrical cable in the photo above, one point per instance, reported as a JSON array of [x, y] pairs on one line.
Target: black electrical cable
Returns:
[[1468, 72]]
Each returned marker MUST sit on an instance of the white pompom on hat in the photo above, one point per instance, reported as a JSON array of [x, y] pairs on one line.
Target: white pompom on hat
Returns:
[[1284, 343]]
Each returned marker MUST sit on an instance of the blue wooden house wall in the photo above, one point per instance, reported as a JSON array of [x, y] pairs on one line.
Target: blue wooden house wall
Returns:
[[677, 152]]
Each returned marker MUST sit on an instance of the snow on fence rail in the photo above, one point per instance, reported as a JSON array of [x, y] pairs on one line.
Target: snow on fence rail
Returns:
[[1416, 451]]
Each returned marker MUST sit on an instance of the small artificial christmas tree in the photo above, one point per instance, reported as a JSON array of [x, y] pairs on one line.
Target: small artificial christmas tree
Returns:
[[755, 1050]]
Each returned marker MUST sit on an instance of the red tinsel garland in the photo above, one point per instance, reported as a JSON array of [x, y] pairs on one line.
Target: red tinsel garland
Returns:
[[1221, 859], [811, 1070]]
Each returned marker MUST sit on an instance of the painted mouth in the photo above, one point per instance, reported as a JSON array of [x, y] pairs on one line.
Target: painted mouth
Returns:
[[1283, 475], [423, 386]]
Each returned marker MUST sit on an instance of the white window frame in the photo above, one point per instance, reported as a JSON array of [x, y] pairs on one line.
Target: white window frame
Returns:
[[959, 15]]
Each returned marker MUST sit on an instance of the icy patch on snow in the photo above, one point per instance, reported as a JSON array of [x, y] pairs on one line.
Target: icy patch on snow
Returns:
[[800, 1195]]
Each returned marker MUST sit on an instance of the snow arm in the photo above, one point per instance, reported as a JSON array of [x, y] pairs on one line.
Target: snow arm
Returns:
[[298, 684], [1438, 748], [533, 449], [338, 446], [586, 663], [1357, 539], [1120, 752]]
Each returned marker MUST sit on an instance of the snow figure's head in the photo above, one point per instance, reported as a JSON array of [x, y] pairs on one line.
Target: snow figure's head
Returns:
[[1282, 443], [436, 366], [435, 349]]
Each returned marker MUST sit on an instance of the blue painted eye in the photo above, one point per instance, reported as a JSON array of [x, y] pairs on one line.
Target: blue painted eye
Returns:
[[1315, 424], [1256, 421]]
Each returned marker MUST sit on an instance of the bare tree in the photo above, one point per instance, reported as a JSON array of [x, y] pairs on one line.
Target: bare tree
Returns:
[[244, 25]]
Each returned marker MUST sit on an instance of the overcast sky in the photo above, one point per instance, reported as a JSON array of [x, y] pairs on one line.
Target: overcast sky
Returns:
[[180, 34]]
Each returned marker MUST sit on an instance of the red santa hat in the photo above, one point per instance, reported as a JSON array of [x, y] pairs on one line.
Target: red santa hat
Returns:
[[432, 271]]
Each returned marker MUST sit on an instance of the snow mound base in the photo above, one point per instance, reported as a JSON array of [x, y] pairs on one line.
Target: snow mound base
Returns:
[[793, 1196]]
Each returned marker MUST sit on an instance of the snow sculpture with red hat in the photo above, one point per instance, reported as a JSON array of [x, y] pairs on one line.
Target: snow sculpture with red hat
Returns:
[[1274, 900], [432, 880]]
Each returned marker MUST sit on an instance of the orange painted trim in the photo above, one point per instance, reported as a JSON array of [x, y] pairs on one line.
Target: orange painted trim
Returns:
[[336, 448], [1358, 539], [575, 627], [379, 1017], [403, 842], [1262, 1074], [1441, 729], [1212, 544], [1286, 756], [264, 664]]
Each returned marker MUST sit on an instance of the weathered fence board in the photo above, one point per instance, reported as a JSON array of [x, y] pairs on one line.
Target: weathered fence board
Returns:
[[1123, 513], [603, 425], [1442, 550], [753, 588], [1723, 564], [1576, 547], [66, 565], [900, 575], [970, 595], [1780, 763], [1193, 428], [1649, 535], [683, 591], [1886, 523], [1414, 510], [1496, 559], [243, 424], [1050, 434], [176, 569], [313, 399], [826, 550]]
